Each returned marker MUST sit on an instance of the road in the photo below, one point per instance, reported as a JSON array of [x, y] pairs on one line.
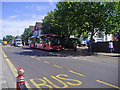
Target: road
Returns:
[[45, 69]]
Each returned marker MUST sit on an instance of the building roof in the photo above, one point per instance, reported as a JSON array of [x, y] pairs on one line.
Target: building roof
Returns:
[[32, 28], [38, 24]]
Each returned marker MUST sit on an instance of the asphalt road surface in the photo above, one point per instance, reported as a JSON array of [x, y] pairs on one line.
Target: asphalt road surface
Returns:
[[45, 69]]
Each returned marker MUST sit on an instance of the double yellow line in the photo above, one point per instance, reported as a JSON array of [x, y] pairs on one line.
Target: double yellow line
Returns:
[[13, 69]]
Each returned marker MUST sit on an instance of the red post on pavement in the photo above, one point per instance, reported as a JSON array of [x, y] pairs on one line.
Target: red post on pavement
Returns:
[[20, 79]]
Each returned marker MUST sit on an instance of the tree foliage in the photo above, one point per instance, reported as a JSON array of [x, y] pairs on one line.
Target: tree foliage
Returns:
[[0, 40], [8, 38], [76, 18], [27, 33]]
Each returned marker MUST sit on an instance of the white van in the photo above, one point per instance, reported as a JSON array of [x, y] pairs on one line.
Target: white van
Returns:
[[98, 40], [18, 42]]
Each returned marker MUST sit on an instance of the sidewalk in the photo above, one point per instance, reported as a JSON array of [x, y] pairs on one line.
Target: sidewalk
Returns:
[[8, 74], [109, 54], [3, 82], [102, 53], [7, 79], [82, 51]]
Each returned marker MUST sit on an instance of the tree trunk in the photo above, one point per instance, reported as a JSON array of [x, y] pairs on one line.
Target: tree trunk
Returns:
[[91, 41], [119, 42]]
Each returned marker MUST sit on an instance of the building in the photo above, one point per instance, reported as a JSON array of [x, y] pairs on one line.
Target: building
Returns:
[[32, 28], [38, 26], [101, 34]]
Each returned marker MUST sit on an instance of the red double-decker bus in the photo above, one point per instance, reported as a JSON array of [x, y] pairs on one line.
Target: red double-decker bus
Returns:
[[47, 42]]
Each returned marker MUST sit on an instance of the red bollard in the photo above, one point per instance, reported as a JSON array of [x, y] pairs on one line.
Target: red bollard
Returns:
[[20, 78]]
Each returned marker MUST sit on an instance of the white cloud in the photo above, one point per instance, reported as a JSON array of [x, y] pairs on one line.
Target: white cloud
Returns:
[[14, 16], [15, 27], [30, 0], [38, 8], [38, 17]]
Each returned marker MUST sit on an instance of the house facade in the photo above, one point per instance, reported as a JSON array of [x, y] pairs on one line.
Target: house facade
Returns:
[[38, 31], [32, 28], [105, 37]]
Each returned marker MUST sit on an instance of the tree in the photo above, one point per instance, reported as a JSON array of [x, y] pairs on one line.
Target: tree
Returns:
[[4, 39], [115, 20], [99, 17], [27, 33], [76, 18], [0, 40], [8, 38]]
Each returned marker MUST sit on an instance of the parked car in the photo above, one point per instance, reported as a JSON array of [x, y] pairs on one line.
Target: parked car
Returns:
[[84, 43], [98, 40]]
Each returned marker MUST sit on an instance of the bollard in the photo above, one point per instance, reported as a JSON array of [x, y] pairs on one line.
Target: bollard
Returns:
[[20, 80]]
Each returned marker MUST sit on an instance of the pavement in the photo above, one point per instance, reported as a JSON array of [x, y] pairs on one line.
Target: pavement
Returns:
[[106, 54], [3, 82], [7, 79], [82, 51]]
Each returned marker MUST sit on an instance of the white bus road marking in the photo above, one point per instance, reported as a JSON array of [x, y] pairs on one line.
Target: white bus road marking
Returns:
[[78, 58]]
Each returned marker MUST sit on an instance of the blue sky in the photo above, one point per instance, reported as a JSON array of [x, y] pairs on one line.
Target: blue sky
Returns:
[[19, 15]]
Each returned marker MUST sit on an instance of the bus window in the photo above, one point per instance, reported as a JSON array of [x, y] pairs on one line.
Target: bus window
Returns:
[[37, 40], [55, 41]]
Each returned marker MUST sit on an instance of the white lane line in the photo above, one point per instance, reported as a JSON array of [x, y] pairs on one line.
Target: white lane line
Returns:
[[78, 58]]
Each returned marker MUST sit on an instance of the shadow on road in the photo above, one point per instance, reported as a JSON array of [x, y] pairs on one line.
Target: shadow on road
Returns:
[[43, 53]]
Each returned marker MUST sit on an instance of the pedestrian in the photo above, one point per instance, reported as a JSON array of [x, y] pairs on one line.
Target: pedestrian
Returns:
[[75, 46], [88, 45], [111, 46]]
